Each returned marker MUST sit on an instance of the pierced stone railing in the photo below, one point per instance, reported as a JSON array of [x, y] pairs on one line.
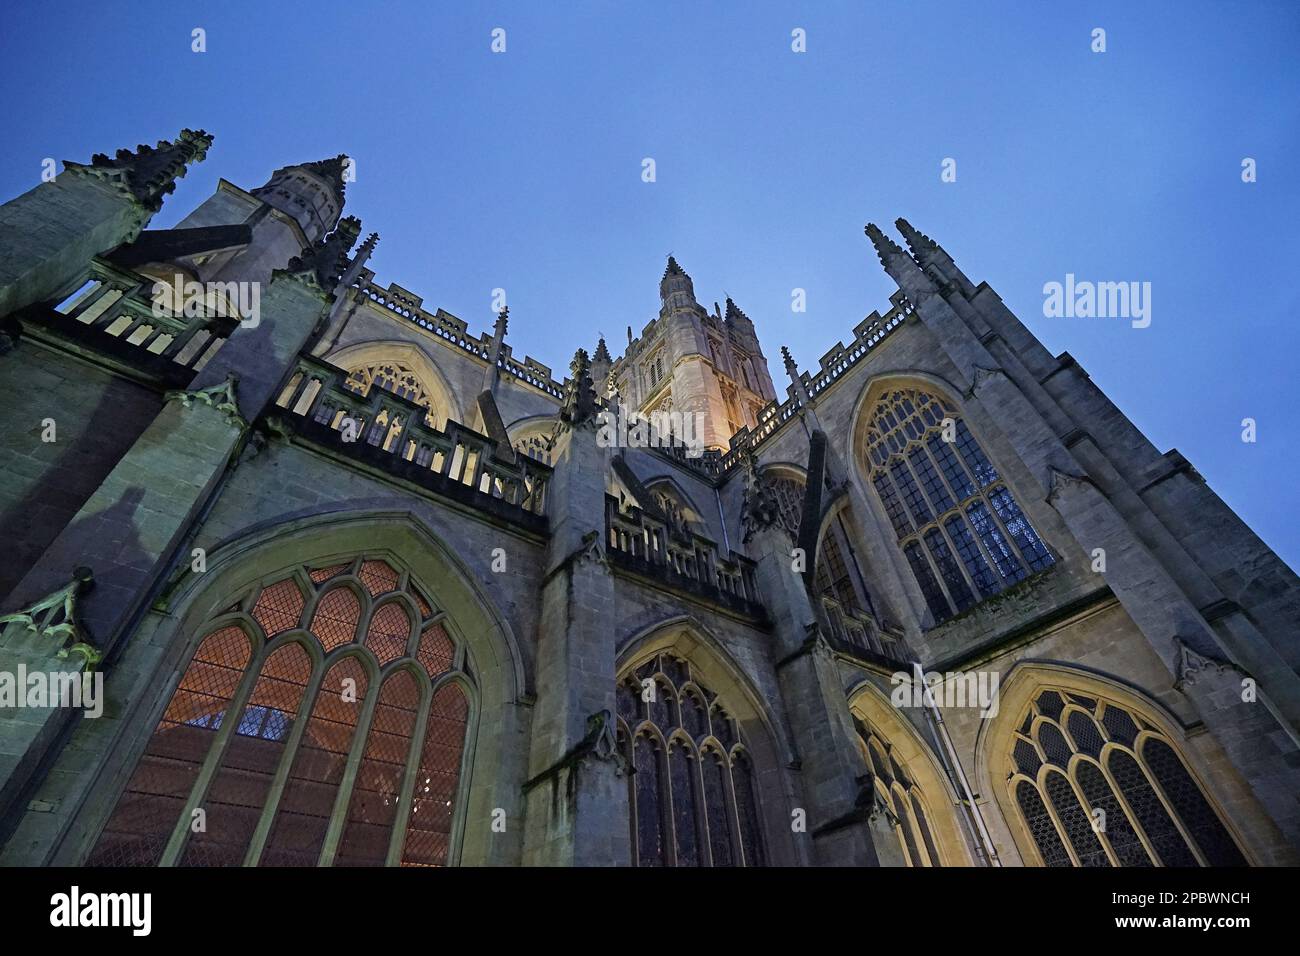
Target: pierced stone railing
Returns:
[[391, 431], [867, 334], [455, 332], [680, 558], [860, 631], [115, 308]]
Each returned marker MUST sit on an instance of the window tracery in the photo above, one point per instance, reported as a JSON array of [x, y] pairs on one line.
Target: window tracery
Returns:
[[338, 675], [898, 791], [958, 525], [396, 377], [1098, 785], [692, 800]]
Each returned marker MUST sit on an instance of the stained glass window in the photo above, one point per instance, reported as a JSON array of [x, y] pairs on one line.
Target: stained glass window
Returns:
[[1114, 791], [897, 789], [149, 807], [695, 803], [956, 520], [307, 742], [836, 576]]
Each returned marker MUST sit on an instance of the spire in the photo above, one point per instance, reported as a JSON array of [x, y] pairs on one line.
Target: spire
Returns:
[[328, 258], [935, 260], [922, 246], [492, 374], [601, 363], [796, 380], [791, 368], [364, 251], [902, 268], [149, 173], [673, 268]]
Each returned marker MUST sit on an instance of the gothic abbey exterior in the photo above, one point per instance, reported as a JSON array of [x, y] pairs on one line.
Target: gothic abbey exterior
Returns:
[[363, 587]]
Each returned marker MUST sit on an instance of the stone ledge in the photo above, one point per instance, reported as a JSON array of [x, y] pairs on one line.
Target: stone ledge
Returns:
[[635, 568]]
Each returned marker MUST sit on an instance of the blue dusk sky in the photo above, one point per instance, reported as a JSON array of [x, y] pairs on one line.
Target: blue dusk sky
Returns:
[[522, 169]]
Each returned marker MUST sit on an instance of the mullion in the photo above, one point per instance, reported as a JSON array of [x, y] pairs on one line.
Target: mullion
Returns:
[[950, 572], [1028, 531], [974, 561], [1016, 572]]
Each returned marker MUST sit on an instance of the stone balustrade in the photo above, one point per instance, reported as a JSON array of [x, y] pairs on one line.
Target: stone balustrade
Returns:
[[641, 543], [115, 311], [390, 431]]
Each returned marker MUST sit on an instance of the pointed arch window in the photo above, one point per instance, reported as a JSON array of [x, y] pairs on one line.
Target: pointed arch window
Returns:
[[396, 377], [348, 710], [897, 789], [957, 523], [1098, 785], [845, 599], [692, 799]]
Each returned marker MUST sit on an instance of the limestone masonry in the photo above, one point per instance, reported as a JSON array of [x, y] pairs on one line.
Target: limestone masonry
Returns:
[[364, 587]]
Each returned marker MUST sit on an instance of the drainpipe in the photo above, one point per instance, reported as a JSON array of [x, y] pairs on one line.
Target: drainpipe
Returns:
[[726, 543], [949, 752]]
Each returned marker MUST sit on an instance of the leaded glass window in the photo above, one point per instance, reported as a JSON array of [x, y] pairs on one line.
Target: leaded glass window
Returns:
[[375, 759], [1098, 786], [956, 520], [836, 576], [692, 796], [896, 787]]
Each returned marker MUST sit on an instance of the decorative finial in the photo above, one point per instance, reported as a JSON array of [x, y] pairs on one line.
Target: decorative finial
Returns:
[[673, 268], [580, 396], [149, 173], [503, 319], [790, 367], [734, 314], [327, 259], [922, 246], [885, 247]]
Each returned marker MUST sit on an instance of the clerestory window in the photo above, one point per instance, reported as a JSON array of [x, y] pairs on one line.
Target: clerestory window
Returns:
[[958, 525]]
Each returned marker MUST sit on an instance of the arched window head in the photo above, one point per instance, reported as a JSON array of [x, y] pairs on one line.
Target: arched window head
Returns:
[[1098, 785], [897, 789], [328, 699], [693, 799], [959, 527], [535, 439], [789, 500], [837, 580], [396, 377]]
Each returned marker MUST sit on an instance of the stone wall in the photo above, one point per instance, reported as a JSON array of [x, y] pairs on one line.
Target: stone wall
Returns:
[[97, 417]]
